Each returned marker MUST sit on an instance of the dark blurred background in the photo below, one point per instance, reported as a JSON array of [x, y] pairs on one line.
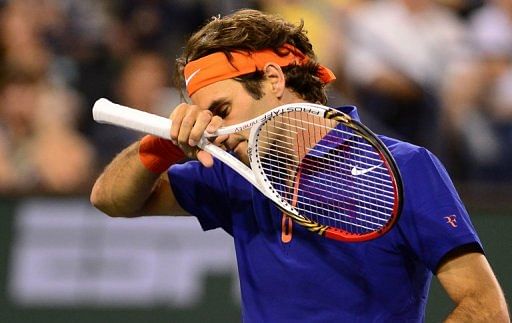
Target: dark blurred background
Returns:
[[437, 73]]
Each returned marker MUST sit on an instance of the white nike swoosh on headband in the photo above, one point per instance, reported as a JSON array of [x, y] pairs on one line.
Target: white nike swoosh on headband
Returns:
[[356, 171], [187, 81]]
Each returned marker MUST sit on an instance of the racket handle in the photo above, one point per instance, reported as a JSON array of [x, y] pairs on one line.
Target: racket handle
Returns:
[[105, 111]]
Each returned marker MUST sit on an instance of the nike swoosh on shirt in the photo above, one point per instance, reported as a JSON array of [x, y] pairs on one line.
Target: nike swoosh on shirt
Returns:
[[361, 171], [187, 81]]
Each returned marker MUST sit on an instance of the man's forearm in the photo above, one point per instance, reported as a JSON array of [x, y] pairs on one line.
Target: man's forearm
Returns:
[[471, 284], [477, 309], [124, 186]]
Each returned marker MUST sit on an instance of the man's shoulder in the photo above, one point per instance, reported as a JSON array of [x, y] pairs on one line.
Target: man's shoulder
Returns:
[[403, 150]]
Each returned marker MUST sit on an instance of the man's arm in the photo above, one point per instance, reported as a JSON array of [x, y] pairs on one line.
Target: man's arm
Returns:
[[127, 189], [136, 183], [470, 283]]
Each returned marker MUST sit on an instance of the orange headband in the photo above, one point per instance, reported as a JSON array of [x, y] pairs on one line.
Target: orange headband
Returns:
[[216, 67]]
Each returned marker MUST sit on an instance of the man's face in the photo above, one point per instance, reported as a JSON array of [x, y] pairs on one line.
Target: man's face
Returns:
[[229, 100]]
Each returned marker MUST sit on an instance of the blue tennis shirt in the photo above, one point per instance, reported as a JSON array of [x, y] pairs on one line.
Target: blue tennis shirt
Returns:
[[314, 279]]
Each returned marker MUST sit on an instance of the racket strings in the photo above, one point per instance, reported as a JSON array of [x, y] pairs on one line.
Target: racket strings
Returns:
[[327, 172], [333, 180], [361, 223], [327, 189], [371, 208], [290, 158], [384, 215], [286, 146], [367, 148]]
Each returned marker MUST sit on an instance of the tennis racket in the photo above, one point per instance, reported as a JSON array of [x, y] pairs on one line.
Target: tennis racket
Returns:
[[325, 170]]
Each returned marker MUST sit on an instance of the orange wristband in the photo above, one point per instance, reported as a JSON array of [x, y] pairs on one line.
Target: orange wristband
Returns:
[[157, 154]]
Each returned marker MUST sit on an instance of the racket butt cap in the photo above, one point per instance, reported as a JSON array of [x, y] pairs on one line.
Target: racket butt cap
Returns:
[[99, 106]]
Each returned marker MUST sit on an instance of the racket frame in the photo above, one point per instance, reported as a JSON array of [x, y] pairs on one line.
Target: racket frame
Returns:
[[268, 190]]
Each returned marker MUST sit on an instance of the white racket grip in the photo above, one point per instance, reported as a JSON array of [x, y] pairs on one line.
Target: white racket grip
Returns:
[[105, 111]]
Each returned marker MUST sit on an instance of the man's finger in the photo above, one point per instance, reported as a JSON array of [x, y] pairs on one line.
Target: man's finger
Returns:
[[204, 158], [202, 121]]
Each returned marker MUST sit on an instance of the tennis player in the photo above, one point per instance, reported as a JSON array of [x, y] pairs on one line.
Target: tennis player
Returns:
[[237, 67]]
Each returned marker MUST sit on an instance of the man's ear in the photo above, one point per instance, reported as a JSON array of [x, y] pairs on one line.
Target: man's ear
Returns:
[[275, 76]]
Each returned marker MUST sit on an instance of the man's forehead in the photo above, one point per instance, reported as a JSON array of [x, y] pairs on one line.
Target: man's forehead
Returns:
[[215, 93]]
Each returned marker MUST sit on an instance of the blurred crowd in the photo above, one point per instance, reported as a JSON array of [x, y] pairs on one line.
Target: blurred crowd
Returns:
[[437, 73]]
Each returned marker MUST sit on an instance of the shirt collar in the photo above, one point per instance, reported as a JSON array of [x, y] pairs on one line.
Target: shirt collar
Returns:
[[350, 110]]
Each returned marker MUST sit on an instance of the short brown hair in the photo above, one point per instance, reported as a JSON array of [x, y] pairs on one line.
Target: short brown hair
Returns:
[[251, 30]]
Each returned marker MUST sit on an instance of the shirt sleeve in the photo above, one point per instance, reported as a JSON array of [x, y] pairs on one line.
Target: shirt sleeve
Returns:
[[434, 220], [202, 192]]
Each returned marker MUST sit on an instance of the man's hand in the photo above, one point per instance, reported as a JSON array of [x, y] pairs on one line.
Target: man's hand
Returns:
[[189, 123]]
